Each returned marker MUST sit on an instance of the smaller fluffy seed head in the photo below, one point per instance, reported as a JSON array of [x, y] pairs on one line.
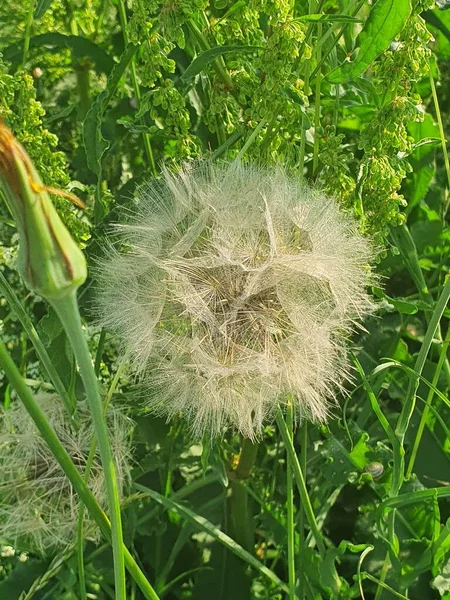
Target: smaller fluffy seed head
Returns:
[[234, 287], [38, 506]]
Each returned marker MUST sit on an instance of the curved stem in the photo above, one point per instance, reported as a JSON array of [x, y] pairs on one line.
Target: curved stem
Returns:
[[80, 520], [67, 465], [67, 310]]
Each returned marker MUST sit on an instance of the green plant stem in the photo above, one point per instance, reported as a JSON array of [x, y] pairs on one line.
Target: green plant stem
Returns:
[[134, 80], [99, 353], [84, 89], [317, 109], [251, 139], [241, 521], [301, 517], [336, 39], [87, 472], [426, 410], [218, 65], [27, 35], [441, 131], [408, 406], [80, 70], [383, 575], [290, 509], [384, 585], [42, 353], [410, 401], [300, 481], [67, 465], [67, 310], [301, 161], [405, 243]]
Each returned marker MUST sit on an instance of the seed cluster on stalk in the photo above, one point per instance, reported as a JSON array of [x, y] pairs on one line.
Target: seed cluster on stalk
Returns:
[[234, 288], [38, 505]]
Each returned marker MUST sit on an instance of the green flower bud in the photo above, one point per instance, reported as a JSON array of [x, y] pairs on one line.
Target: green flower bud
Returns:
[[49, 260]]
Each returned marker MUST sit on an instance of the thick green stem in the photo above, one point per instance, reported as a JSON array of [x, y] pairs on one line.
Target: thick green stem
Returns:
[[28, 26], [241, 521], [71, 471], [84, 89], [81, 71], [80, 520], [67, 310]]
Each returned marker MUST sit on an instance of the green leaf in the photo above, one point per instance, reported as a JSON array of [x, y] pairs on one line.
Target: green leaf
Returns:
[[55, 340], [41, 8], [328, 19], [21, 578], [95, 144], [81, 47], [427, 142], [62, 114], [214, 532], [398, 304], [386, 19], [205, 58], [426, 234], [410, 498]]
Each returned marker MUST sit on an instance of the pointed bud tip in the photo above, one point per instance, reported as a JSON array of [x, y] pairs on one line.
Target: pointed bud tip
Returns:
[[49, 260]]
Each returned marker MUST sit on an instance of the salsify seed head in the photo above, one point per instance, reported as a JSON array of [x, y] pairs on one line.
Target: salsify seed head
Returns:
[[234, 287], [38, 506]]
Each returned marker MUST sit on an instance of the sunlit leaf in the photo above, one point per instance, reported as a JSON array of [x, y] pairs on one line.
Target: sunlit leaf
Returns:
[[386, 19]]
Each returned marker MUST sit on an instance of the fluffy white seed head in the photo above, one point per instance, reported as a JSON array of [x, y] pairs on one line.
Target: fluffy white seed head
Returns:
[[233, 288], [38, 506]]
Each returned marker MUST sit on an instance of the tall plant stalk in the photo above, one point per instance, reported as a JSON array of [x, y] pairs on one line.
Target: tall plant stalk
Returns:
[[67, 310], [300, 481], [60, 453], [240, 516], [290, 509]]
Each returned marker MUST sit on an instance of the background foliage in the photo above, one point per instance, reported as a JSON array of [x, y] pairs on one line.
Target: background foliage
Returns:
[[352, 94]]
